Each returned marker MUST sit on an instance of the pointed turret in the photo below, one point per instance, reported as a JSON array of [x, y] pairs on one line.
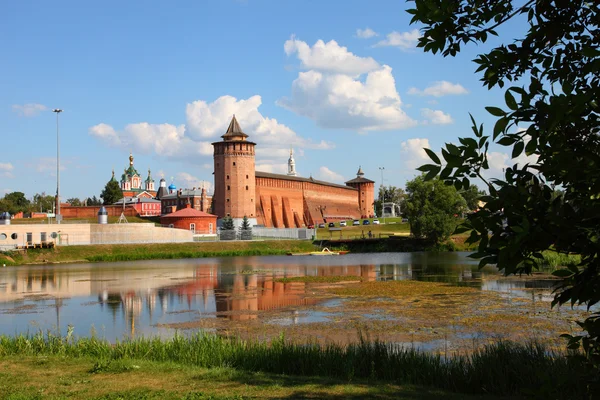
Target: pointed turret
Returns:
[[291, 164], [234, 131], [360, 173]]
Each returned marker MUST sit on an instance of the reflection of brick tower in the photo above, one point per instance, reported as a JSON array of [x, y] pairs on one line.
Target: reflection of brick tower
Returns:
[[366, 193], [235, 182]]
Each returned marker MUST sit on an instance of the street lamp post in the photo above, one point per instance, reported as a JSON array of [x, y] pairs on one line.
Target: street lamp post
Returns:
[[382, 194], [58, 216]]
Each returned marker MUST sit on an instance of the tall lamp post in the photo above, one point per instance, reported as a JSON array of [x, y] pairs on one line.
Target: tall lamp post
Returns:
[[58, 216], [383, 195]]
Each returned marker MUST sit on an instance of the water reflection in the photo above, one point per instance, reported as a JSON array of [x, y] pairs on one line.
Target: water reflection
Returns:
[[137, 298]]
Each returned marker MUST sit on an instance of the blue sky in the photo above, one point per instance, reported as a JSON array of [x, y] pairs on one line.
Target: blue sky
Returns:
[[162, 80]]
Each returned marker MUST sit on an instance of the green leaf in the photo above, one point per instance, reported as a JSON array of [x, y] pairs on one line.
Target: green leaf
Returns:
[[506, 141], [433, 156], [432, 174], [518, 149], [562, 273], [500, 127], [495, 111], [510, 100], [427, 167]]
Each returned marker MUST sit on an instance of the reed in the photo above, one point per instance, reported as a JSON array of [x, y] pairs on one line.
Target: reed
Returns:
[[502, 368], [184, 254], [553, 260]]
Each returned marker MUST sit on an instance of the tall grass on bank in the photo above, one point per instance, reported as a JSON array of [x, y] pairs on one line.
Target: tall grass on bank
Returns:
[[185, 254], [553, 260], [503, 368]]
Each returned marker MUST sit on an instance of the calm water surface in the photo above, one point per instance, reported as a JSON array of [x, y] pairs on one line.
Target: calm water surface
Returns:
[[118, 300]]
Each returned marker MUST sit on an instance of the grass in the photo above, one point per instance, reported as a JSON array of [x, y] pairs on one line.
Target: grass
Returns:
[[36, 377], [503, 368], [130, 252], [355, 232], [554, 260]]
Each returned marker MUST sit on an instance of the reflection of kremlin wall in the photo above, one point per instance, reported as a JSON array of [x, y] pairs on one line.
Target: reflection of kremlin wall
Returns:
[[281, 201]]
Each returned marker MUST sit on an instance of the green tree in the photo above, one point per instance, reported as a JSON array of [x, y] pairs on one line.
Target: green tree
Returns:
[[15, 202], [227, 224], [553, 115], [432, 208], [112, 192], [74, 201], [245, 224], [472, 195], [42, 202], [93, 201]]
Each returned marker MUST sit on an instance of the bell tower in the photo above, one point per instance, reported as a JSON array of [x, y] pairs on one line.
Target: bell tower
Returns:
[[235, 182]]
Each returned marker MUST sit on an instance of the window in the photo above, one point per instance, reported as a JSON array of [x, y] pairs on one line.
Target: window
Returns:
[[29, 237], [14, 236], [228, 200], [246, 187], [246, 176], [193, 228], [210, 228], [228, 215], [3, 236], [227, 176], [171, 226], [251, 200], [54, 235], [43, 236], [234, 163], [228, 187]]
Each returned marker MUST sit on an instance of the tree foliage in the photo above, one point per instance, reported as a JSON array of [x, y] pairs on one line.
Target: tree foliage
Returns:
[[112, 192], [472, 195], [245, 224], [432, 208], [552, 115], [74, 201], [43, 202], [227, 224], [93, 201], [15, 202]]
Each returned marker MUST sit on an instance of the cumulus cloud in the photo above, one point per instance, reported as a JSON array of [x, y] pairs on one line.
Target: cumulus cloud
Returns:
[[436, 117], [6, 170], [29, 109], [336, 94], [499, 161], [339, 101], [413, 154], [205, 123], [328, 175], [329, 57], [403, 40], [365, 33], [439, 89]]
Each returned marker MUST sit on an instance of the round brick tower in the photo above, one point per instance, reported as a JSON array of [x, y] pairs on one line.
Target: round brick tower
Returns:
[[366, 193], [235, 182]]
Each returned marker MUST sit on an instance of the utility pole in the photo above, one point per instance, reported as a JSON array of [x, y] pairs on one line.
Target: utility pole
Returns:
[[57, 216], [382, 194]]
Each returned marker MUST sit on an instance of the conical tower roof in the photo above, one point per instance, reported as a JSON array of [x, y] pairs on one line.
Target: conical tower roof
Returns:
[[234, 131]]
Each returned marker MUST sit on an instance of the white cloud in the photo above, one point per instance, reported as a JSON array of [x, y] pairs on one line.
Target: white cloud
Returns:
[[29, 109], [436, 117], [498, 162], [6, 170], [105, 133], [329, 57], [342, 102], [188, 181], [402, 40], [439, 89], [272, 167], [47, 165], [206, 122], [366, 33], [413, 154], [325, 174]]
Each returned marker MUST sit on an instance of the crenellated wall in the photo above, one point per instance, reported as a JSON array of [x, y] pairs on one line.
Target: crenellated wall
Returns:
[[291, 203]]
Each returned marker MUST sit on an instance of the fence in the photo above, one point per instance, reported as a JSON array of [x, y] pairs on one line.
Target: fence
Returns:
[[283, 233]]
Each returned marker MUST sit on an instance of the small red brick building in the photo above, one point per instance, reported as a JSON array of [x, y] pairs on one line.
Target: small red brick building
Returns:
[[191, 219]]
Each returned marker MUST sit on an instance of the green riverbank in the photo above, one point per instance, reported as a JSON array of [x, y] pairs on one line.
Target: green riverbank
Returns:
[[91, 368]]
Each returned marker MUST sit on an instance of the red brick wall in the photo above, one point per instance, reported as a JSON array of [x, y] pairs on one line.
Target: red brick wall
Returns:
[[281, 198], [234, 179], [92, 211], [202, 223]]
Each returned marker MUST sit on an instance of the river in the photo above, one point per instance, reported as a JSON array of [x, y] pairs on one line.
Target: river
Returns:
[[242, 295]]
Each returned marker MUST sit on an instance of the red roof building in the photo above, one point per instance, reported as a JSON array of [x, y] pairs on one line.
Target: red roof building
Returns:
[[189, 218]]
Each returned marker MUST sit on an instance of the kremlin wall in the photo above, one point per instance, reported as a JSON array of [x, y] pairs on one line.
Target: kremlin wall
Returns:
[[277, 200]]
